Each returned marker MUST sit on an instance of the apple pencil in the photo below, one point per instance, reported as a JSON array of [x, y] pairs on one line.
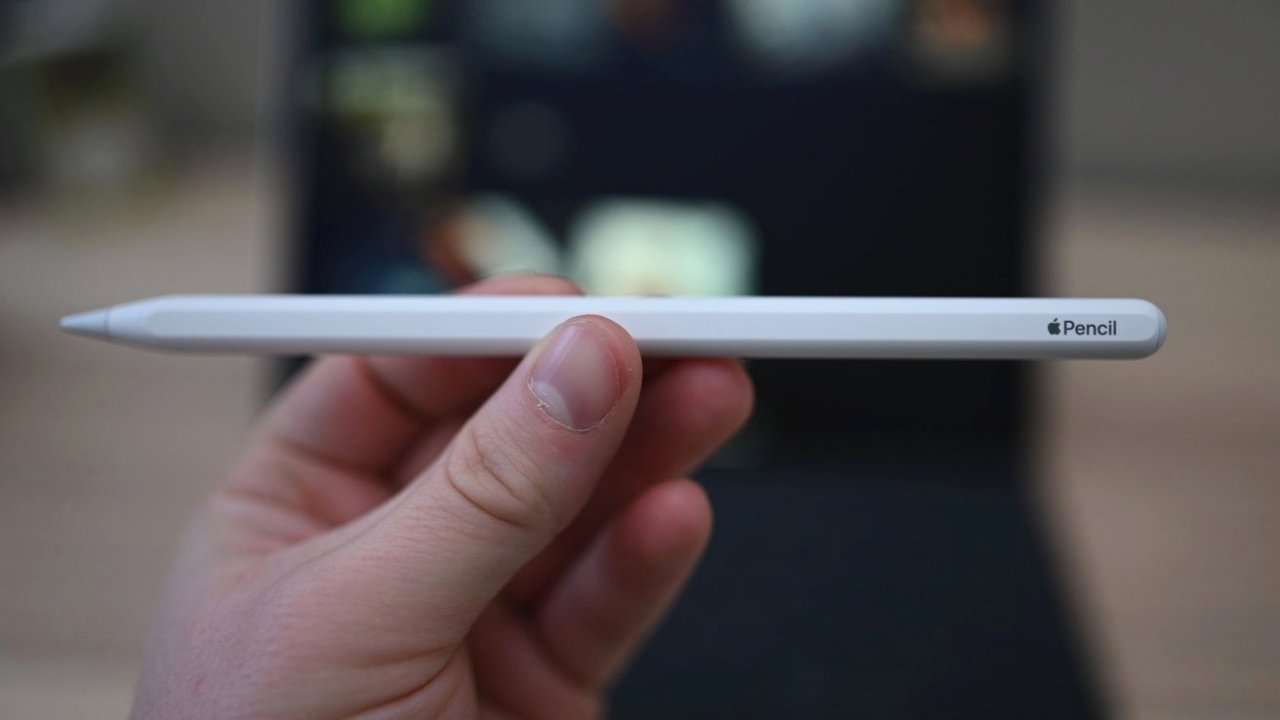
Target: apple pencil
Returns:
[[777, 327]]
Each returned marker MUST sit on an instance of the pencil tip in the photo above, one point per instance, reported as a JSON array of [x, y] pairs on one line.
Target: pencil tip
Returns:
[[90, 324]]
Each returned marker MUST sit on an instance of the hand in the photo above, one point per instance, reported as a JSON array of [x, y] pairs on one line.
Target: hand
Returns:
[[439, 537]]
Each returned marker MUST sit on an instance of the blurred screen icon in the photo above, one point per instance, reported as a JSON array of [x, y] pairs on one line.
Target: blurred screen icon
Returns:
[[488, 235], [647, 21], [631, 246], [395, 106], [802, 36], [962, 39], [558, 35], [381, 19]]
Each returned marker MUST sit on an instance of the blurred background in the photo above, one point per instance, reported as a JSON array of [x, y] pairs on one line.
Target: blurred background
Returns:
[[894, 539]]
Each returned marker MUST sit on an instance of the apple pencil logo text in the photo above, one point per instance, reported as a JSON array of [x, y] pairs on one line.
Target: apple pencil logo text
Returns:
[[1071, 327]]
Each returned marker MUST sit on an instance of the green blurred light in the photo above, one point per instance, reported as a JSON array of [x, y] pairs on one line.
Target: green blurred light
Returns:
[[381, 18]]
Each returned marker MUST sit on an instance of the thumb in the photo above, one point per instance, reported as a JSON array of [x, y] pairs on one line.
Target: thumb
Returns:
[[508, 483]]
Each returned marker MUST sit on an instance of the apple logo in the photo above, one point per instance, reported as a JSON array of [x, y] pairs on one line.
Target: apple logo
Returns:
[[1055, 327]]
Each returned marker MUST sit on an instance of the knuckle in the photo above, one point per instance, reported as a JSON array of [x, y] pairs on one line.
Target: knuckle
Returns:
[[493, 475]]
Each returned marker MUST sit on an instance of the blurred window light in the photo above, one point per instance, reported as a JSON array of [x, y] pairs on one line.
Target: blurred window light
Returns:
[[800, 36], [657, 247], [557, 35]]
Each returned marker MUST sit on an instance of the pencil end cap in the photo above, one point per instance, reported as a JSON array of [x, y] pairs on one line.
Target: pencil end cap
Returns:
[[89, 324]]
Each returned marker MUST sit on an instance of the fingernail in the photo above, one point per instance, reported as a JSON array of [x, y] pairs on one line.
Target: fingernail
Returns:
[[575, 377]]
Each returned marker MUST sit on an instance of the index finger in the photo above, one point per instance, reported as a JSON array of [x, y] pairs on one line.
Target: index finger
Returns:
[[364, 413]]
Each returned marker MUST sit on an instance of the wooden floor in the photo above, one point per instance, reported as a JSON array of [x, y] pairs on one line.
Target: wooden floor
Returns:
[[1164, 476], [1161, 478]]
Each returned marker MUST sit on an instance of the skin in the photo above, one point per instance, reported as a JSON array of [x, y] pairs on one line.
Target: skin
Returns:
[[428, 537]]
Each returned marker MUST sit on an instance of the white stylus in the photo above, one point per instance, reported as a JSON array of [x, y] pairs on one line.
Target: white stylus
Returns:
[[779, 327]]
